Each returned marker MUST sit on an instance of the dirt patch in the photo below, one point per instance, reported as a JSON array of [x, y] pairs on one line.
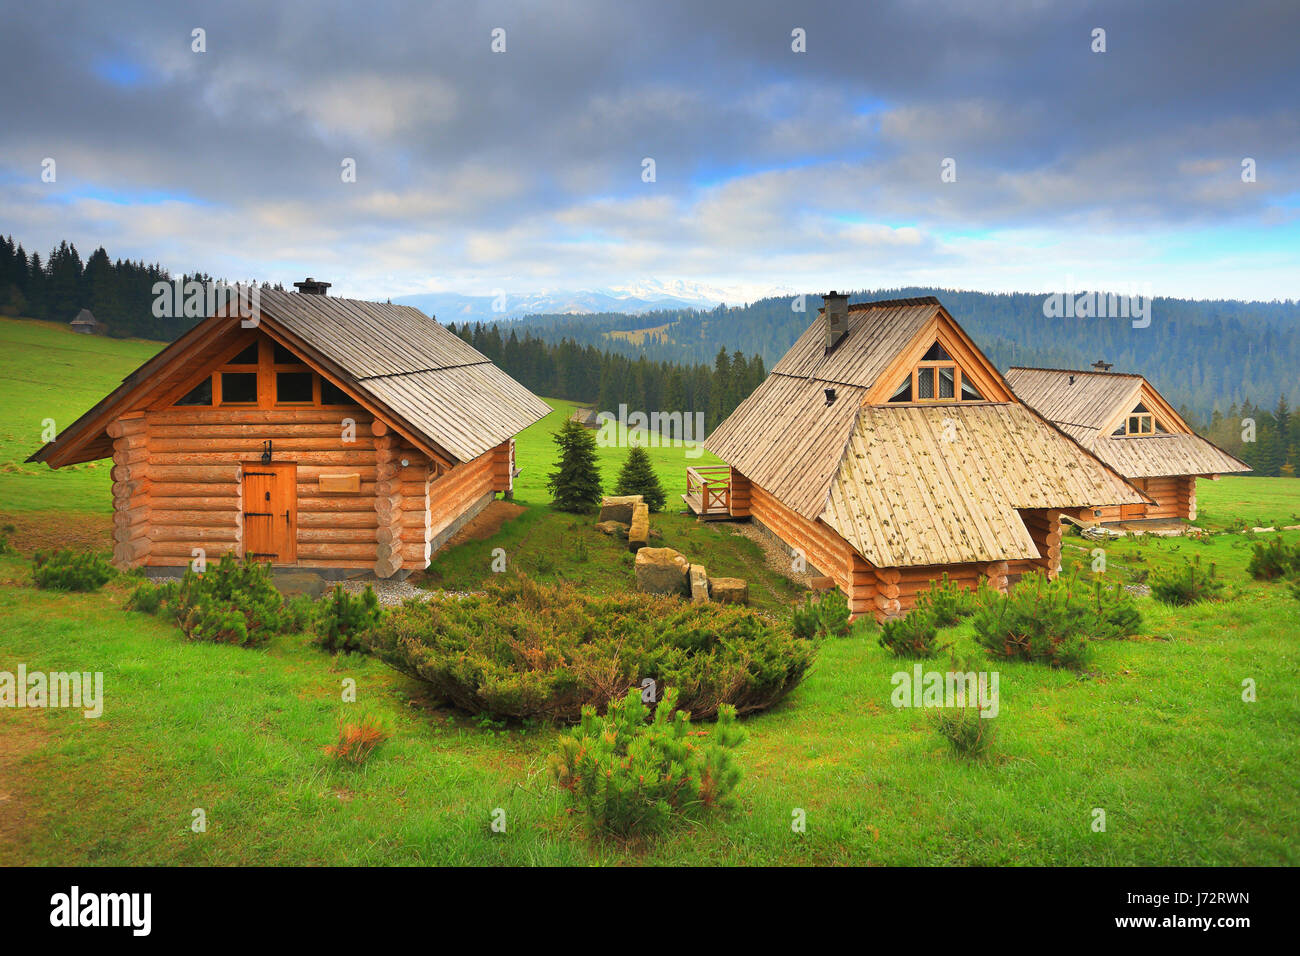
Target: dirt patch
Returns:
[[47, 530], [487, 522], [20, 735]]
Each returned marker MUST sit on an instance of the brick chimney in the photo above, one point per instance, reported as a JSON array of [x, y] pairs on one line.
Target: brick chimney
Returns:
[[836, 307], [310, 286]]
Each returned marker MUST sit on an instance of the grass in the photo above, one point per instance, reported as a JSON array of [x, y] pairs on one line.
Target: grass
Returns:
[[1155, 733], [47, 371]]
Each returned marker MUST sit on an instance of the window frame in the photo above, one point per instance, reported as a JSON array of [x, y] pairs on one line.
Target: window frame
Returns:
[[266, 370]]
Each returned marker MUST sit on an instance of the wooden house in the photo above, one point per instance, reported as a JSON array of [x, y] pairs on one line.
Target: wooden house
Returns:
[[320, 433], [86, 323], [884, 450], [1126, 423]]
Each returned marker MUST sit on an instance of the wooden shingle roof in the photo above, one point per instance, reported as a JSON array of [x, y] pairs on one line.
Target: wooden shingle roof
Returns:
[[1088, 405], [886, 477], [403, 366], [942, 484]]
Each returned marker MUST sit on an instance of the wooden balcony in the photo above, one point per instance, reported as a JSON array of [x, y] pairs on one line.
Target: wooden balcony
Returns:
[[708, 491]]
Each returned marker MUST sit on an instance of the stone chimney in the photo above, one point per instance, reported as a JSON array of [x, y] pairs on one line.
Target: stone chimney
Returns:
[[837, 317], [310, 286]]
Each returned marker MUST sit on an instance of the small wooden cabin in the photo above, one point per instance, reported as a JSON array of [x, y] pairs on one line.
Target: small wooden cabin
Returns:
[[887, 450], [1126, 423], [86, 323], [320, 433]]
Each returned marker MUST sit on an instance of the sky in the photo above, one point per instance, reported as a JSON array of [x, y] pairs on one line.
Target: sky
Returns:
[[524, 167]]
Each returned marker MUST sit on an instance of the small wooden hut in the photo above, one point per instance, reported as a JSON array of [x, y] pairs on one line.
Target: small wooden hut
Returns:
[[1126, 423], [320, 433], [885, 450], [86, 323]]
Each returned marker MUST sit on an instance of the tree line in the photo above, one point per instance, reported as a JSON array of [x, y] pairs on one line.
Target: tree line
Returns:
[[587, 374]]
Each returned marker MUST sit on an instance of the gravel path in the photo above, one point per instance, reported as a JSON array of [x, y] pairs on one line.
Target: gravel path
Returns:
[[775, 554], [392, 593]]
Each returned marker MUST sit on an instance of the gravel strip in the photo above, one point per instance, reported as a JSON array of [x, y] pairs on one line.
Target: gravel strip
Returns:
[[775, 554], [392, 593]]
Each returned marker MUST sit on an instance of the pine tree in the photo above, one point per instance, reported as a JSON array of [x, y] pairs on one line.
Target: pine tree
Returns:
[[575, 485], [638, 478]]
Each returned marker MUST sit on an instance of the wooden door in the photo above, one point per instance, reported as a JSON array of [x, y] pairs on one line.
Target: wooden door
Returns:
[[271, 512], [1134, 512]]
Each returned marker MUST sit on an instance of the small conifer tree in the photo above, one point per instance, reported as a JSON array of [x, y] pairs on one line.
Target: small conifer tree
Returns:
[[638, 478], [575, 485]]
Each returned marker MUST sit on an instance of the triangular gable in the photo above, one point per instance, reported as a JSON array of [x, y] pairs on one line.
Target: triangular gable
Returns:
[[174, 371], [1163, 412], [943, 329]]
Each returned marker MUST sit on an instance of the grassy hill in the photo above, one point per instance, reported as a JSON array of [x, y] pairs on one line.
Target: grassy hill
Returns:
[[1155, 733]]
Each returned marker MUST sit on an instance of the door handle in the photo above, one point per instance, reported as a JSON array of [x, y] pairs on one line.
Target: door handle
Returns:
[[286, 516]]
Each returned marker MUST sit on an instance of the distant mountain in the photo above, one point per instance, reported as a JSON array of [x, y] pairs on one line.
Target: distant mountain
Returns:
[[630, 300], [1202, 354]]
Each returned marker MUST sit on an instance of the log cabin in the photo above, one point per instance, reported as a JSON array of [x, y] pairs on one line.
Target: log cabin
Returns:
[[306, 431], [884, 450], [1122, 420]]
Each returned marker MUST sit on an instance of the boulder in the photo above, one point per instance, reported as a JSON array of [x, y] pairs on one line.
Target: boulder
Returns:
[[729, 590], [661, 571], [699, 579], [612, 527], [619, 508], [822, 583], [638, 534]]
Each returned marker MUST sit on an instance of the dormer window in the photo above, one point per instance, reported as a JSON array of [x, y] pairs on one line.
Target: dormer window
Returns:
[[1140, 421], [936, 378]]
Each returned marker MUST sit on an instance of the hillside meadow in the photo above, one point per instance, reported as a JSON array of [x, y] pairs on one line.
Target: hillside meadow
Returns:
[[1155, 731]]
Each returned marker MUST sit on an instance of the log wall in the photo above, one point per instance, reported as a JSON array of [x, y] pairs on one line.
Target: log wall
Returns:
[[177, 486]]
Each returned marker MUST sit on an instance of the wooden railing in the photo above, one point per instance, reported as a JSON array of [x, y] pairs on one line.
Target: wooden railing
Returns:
[[708, 489]]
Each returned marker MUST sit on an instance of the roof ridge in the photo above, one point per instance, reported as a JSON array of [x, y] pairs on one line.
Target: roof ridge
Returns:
[[1074, 371]]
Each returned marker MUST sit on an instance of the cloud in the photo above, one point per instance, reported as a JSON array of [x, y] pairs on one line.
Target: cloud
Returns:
[[476, 169]]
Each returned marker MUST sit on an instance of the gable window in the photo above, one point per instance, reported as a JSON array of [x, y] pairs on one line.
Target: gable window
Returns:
[[936, 378], [265, 375], [238, 388], [294, 388]]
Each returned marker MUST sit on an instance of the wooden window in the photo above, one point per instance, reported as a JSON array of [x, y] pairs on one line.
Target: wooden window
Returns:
[[265, 375], [936, 378], [238, 388], [294, 388], [1140, 421]]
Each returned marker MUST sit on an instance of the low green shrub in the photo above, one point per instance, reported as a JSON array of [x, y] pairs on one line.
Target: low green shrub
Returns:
[[151, 597], [343, 619], [915, 634], [7, 532], [628, 777], [1052, 621], [821, 615], [969, 734], [1187, 584], [527, 650], [67, 570], [946, 601], [1274, 560], [232, 602]]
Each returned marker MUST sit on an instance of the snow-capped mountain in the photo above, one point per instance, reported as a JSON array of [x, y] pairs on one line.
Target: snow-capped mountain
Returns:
[[643, 296]]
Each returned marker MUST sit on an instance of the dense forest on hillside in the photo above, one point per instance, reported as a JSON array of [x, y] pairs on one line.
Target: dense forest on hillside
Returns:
[[583, 373], [1202, 355], [1223, 364]]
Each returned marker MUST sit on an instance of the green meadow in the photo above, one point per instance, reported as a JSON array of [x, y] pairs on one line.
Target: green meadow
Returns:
[[1155, 732]]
